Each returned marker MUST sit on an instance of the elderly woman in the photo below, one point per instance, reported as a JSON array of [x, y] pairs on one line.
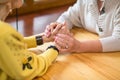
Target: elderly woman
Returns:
[[98, 16], [16, 61]]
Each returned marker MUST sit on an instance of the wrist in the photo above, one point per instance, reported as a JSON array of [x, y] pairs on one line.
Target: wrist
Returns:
[[77, 47], [45, 39], [54, 47], [39, 40], [48, 39]]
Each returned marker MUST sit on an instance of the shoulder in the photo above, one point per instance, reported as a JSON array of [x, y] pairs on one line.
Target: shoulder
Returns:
[[117, 8], [85, 2]]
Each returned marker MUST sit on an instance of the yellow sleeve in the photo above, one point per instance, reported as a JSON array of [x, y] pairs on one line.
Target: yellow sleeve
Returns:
[[30, 41], [16, 61]]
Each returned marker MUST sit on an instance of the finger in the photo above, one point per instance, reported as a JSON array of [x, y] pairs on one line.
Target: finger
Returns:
[[47, 31], [50, 28], [58, 47], [66, 39], [54, 23], [57, 27], [60, 42], [63, 36], [64, 50], [53, 26], [71, 34], [56, 30], [61, 49], [64, 30]]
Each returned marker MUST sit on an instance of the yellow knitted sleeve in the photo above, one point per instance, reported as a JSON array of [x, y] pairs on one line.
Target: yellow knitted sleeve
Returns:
[[16, 61], [30, 41]]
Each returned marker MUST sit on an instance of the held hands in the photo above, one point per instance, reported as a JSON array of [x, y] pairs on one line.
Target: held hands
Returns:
[[55, 28], [60, 34], [66, 43]]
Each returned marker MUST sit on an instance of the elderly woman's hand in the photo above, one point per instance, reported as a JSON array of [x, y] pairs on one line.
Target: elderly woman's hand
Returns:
[[66, 43], [53, 29], [56, 28]]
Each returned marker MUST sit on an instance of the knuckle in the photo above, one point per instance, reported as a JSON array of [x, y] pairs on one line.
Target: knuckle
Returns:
[[52, 23]]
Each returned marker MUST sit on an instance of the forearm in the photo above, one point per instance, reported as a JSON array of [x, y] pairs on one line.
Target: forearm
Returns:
[[23, 64], [33, 41], [28, 66], [110, 44], [89, 46]]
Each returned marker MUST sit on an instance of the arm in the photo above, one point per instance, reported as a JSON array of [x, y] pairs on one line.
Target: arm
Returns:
[[72, 15], [90, 46], [107, 44], [16, 61], [112, 43], [33, 41], [67, 43]]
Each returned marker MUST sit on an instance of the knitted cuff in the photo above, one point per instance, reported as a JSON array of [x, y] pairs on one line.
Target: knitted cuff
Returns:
[[54, 47], [39, 40]]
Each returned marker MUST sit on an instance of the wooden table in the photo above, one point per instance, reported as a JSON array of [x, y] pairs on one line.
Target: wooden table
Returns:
[[84, 66]]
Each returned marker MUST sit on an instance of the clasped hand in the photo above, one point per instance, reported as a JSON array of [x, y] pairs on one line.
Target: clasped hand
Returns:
[[61, 36]]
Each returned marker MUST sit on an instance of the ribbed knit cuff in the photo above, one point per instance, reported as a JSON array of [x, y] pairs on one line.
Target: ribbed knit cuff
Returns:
[[54, 47], [39, 40]]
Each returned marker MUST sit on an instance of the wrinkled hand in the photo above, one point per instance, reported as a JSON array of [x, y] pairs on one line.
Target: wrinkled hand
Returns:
[[66, 43], [55, 28]]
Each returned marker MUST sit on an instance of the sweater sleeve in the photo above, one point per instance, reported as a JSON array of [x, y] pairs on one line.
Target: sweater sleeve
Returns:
[[30, 41], [112, 43], [16, 61], [72, 15]]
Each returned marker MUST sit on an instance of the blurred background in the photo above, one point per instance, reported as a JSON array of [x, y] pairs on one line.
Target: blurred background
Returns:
[[35, 15]]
